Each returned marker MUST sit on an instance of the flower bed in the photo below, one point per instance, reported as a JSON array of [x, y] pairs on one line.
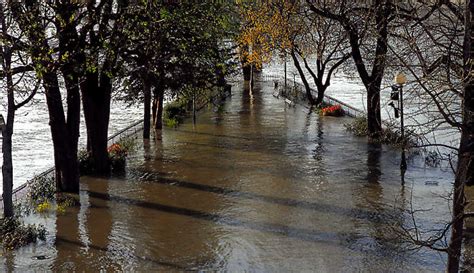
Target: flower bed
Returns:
[[334, 110], [117, 154]]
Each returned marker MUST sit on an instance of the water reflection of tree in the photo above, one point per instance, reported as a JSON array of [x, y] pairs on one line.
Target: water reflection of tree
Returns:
[[67, 231], [9, 261], [82, 234], [252, 103], [374, 219], [319, 150]]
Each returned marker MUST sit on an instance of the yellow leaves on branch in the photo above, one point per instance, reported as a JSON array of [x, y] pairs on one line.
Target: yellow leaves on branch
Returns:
[[268, 26]]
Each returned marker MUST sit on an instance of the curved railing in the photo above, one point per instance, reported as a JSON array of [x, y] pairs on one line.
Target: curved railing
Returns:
[[348, 109], [128, 131]]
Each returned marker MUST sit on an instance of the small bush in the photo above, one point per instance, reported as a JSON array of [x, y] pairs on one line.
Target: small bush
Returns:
[[85, 163], [66, 200], [117, 156], [358, 127], [14, 234], [390, 135], [128, 143], [62, 202], [119, 151], [42, 189], [175, 111], [171, 122], [43, 207]]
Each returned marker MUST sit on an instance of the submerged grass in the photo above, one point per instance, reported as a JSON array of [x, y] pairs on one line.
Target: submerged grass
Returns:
[[390, 134], [14, 233], [41, 199]]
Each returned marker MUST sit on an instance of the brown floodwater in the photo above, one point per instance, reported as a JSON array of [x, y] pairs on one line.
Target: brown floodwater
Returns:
[[259, 186]]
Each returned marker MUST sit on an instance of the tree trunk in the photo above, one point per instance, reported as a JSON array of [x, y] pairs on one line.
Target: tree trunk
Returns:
[[7, 172], [309, 96], [318, 79], [321, 90], [7, 130], [246, 67], [67, 173], [71, 167], [374, 120], [465, 168], [247, 70], [71, 69], [158, 105], [154, 109], [455, 243], [96, 97], [373, 81], [146, 114]]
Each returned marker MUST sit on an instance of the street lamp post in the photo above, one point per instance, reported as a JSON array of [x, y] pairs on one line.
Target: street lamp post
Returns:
[[400, 80], [2, 122], [2, 127], [285, 73]]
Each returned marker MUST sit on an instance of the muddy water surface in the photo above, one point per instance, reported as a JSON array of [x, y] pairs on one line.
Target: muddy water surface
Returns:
[[256, 187]]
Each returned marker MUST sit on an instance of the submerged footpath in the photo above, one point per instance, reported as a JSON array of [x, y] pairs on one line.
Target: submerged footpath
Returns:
[[246, 185]]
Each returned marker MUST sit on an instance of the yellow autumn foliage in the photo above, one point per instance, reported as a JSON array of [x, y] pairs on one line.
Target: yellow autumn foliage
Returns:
[[269, 27]]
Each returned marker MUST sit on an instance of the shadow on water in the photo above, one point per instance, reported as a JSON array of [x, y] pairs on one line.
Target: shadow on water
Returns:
[[293, 232], [63, 241], [158, 179]]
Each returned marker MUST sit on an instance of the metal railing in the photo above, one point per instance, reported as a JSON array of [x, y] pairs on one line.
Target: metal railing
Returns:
[[348, 109], [128, 131]]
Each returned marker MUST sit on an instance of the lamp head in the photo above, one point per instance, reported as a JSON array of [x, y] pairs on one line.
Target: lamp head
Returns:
[[400, 78]]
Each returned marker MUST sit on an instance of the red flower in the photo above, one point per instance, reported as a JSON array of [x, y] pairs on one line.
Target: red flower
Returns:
[[334, 110]]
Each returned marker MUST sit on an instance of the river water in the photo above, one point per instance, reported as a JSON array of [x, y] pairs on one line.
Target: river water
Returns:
[[32, 145], [258, 187]]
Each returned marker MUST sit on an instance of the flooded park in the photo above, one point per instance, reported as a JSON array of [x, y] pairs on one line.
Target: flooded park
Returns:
[[237, 136], [258, 186]]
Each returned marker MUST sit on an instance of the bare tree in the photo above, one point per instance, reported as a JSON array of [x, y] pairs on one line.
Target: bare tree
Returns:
[[439, 49], [357, 19], [330, 52], [436, 50], [465, 167]]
